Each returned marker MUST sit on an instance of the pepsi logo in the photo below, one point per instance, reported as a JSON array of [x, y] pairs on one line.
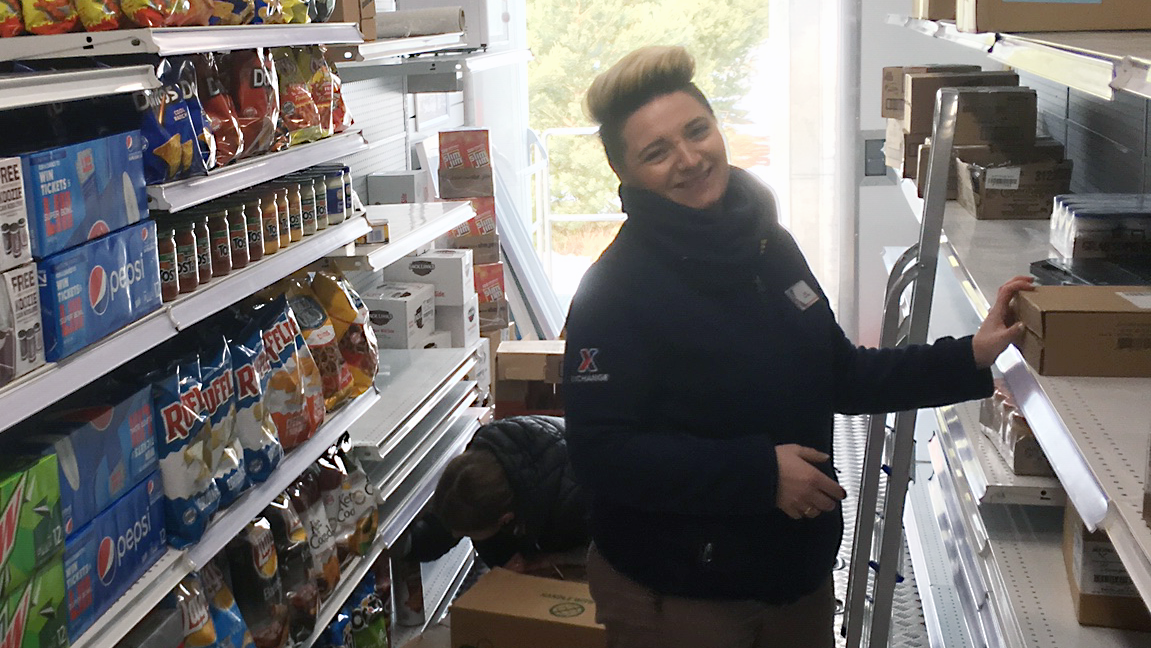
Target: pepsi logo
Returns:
[[380, 317], [99, 293], [106, 560], [102, 418], [128, 141], [422, 268], [144, 234], [99, 228]]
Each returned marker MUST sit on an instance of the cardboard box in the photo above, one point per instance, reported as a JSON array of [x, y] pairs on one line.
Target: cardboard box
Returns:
[[1045, 148], [541, 360], [485, 247], [103, 450], [80, 192], [901, 149], [98, 288], [361, 12], [15, 243], [509, 610], [1003, 117], [35, 616], [489, 281], [403, 315], [485, 368], [893, 95], [933, 9], [1007, 429], [1101, 590], [1052, 15], [439, 340], [920, 90], [106, 557], [484, 221], [21, 332], [449, 271], [465, 164], [494, 315], [494, 337], [462, 323], [399, 187], [1017, 191], [30, 496], [1087, 330]]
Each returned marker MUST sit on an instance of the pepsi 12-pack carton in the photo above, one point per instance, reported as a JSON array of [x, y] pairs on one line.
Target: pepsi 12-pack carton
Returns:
[[83, 191], [92, 290], [103, 449], [103, 559]]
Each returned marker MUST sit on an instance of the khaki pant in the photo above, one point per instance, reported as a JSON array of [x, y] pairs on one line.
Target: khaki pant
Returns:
[[636, 617]]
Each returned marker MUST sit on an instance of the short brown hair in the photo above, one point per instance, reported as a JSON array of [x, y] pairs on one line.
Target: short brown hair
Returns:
[[634, 80], [473, 492]]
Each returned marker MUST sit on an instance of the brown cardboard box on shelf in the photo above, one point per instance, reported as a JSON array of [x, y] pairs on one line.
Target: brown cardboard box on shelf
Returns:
[[1101, 589], [1087, 330], [465, 164], [1004, 425], [901, 149], [919, 92], [933, 9], [1052, 15], [1147, 489], [1012, 191], [361, 12], [1046, 148], [893, 81], [509, 610], [541, 360]]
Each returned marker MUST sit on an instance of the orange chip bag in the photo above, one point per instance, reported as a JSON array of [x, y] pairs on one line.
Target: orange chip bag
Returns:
[[349, 317], [341, 118], [189, 13], [295, 395], [99, 15], [50, 16], [298, 112], [11, 18], [320, 336], [311, 60], [145, 13]]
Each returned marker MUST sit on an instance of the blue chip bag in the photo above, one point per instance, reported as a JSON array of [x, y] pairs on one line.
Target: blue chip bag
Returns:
[[255, 428], [189, 89], [339, 632], [231, 630], [190, 494], [171, 147], [224, 453]]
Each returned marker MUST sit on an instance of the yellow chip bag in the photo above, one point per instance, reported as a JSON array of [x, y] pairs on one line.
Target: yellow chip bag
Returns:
[[295, 12], [320, 336], [50, 16], [349, 316], [99, 15]]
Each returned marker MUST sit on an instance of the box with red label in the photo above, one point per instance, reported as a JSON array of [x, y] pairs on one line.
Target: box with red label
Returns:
[[490, 282], [14, 239], [465, 164], [80, 192], [21, 333], [484, 221]]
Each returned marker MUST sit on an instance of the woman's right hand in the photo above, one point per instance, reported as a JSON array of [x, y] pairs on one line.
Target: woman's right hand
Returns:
[[804, 491]]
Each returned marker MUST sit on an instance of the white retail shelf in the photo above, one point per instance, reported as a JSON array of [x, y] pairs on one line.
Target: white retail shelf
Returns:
[[171, 41], [446, 61], [397, 514], [442, 580], [389, 48], [36, 88], [32, 393], [232, 520], [350, 577], [1012, 576], [183, 194], [1094, 431], [137, 602], [411, 384], [988, 475], [410, 227]]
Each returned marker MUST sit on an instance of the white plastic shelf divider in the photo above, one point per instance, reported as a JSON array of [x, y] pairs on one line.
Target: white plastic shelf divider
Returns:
[[389, 48], [410, 227], [171, 41], [183, 194], [36, 88], [1094, 431], [32, 393], [135, 604], [232, 520], [442, 580], [411, 384], [990, 478]]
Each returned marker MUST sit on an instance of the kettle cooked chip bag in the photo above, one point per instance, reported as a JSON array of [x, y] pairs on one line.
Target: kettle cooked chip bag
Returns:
[[320, 336], [298, 575], [349, 316], [219, 109], [254, 425], [298, 112], [45, 17], [199, 630], [256, 96], [306, 499]]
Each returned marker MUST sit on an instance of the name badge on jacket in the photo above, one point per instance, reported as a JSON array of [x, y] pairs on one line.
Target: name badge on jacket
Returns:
[[802, 295]]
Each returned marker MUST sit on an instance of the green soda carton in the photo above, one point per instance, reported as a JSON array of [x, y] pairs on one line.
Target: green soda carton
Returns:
[[36, 615], [31, 532]]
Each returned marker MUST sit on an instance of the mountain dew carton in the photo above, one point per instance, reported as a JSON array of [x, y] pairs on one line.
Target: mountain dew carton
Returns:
[[35, 615], [31, 533]]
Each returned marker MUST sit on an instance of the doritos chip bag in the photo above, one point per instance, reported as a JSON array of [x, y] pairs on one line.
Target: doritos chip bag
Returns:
[[254, 425], [298, 112], [256, 96], [144, 13], [189, 89], [349, 316], [11, 18], [99, 15], [219, 109], [170, 144], [50, 16]]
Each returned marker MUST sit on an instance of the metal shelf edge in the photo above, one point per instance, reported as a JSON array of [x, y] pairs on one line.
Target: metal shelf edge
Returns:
[[380, 256], [382, 50], [1085, 73], [18, 90]]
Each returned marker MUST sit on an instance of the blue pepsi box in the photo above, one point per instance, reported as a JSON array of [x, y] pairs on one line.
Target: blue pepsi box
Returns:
[[103, 450], [106, 557], [81, 192], [100, 287]]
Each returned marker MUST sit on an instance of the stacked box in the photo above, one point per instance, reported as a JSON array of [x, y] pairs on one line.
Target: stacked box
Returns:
[[399, 187], [449, 271], [1012, 190], [933, 9], [462, 323], [465, 164], [893, 78], [1101, 226], [15, 243], [21, 331], [35, 614], [898, 147], [361, 12], [978, 16], [529, 377], [1101, 590], [479, 234], [920, 90], [1045, 149], [403, 315], [1004, 424], [492, 296], [439, 340], [33, 534]]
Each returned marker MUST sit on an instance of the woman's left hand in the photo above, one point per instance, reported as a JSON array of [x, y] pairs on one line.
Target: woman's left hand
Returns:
[[1000, 329]]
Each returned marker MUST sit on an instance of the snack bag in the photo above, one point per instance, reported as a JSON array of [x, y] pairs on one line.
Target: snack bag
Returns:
[[188, 13], [320, 336], [338, 634], [255, 428], [199, 631], [295, 11], [43, 17], [359, 514], [298, 575], [11, 18], [369, 616], [231, 630], [144, 13], [297, 109], [349, 316], [312, 379], [232, 12], [189, 89], [99, 15], [313, 64], [170, 144], [256, 582], [191, 496], [256, 96], [330, 475], [219, 109], [224, 453], [341, 118], [289, 399], [305, 496], [270, 12]]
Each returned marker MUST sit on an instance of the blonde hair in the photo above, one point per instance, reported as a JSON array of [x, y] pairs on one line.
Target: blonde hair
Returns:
[[636, 79]]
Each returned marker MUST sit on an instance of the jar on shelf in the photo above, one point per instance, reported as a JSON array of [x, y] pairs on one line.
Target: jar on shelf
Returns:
[[187, 268], [270, 217], [307, 204], [295, 210], [166, 248], [321, 189], [254, 224], [238, 233], [334, 188], [203, 246], [220, 235]]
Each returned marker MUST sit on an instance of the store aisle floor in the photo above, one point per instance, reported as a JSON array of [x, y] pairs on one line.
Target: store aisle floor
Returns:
[[908, 629]]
